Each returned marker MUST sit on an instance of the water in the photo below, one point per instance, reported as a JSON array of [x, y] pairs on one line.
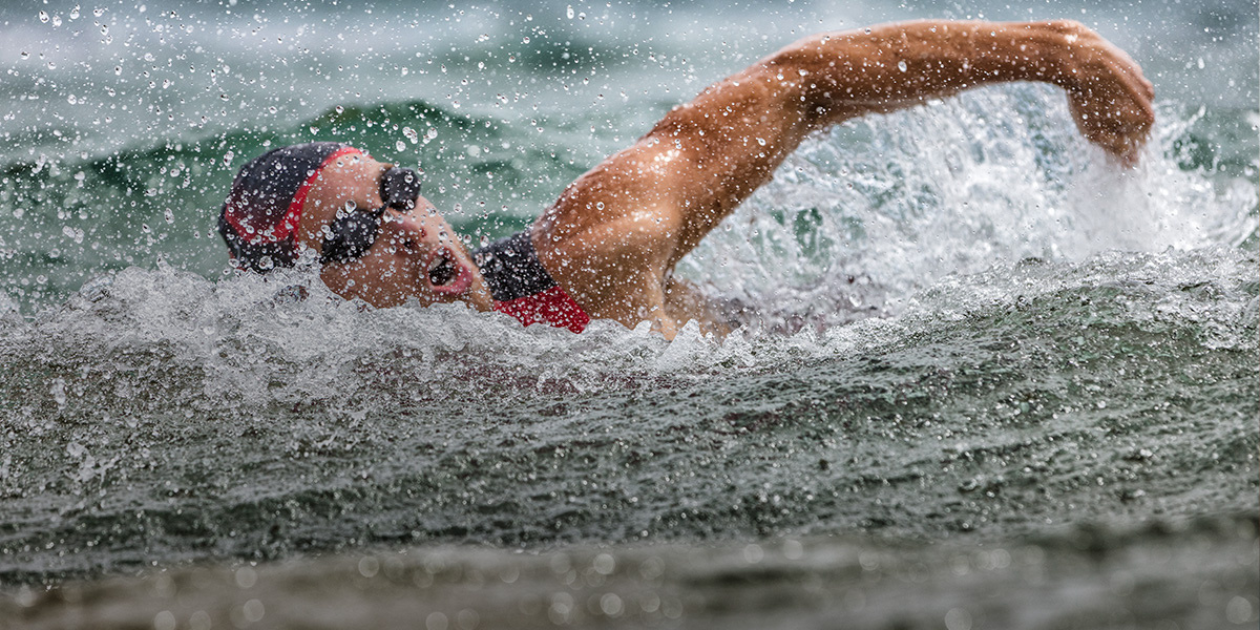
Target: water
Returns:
[[979, 335]]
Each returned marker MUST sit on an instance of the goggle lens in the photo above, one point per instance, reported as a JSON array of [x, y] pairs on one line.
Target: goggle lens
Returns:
[[352, 235]]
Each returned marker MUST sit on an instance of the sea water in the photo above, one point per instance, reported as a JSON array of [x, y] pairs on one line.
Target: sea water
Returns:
[[980, 338]]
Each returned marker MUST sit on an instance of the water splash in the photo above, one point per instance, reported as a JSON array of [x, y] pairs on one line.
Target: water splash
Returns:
[[883, 207]]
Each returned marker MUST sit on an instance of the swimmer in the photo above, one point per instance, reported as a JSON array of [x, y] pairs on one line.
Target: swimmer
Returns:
[[607, 248]]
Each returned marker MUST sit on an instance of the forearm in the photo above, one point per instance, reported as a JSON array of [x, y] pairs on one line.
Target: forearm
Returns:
[[713, 152], [888, 67]]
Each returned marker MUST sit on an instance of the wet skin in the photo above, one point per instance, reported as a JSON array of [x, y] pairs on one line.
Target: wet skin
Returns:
[[409, 247], [613, 237]]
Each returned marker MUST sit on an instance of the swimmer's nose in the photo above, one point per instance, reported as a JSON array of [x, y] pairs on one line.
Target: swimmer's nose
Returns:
[[417, 230]]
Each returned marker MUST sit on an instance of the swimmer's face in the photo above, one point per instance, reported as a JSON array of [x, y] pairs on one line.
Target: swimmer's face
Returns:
[[416, 253]]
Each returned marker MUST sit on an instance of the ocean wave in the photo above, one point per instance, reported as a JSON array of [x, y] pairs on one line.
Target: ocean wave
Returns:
[[243, 421]]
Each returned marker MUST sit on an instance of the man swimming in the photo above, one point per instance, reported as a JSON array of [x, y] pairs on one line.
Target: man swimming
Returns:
[[606, 249]]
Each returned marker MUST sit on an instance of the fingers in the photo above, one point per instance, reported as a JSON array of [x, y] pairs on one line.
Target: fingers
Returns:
[[1111, 100], [1120, 133]]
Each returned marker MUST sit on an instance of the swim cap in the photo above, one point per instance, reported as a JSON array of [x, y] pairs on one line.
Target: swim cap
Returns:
[[260, 218]]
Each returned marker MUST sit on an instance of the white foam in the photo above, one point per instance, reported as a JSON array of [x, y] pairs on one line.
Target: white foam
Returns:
[[884, 207]]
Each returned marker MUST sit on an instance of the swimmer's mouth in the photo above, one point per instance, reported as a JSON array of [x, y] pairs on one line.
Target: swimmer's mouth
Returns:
[[445, 273], [442, 270]]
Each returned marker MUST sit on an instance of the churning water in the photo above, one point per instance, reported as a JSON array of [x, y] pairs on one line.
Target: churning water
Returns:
[[999, 383]]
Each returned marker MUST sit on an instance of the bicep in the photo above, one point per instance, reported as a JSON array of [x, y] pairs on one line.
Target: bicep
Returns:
[[712, 153], [678, 181]]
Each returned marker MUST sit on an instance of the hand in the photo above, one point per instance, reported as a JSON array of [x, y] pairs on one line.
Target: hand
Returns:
[[1107, 94]]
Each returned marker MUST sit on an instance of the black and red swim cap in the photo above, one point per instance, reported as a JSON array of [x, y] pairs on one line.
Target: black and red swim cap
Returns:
[[260, 218]]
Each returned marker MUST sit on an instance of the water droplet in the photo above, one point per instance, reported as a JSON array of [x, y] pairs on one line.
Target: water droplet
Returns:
[[610, 603], [604, 564], [1238, 610], [26, 55], [958, 619], [901, 65], [761, 141], [400, 145], [754, 554], [43, 16], [411, 134], [569, 12], [74, 13], [254, 611]]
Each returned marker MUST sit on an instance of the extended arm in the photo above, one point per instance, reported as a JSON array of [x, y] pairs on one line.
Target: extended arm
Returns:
[[615, 234], [891, 67]]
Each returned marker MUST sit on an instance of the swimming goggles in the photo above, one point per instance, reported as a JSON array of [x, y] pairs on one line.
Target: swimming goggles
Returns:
[[352, 234]]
